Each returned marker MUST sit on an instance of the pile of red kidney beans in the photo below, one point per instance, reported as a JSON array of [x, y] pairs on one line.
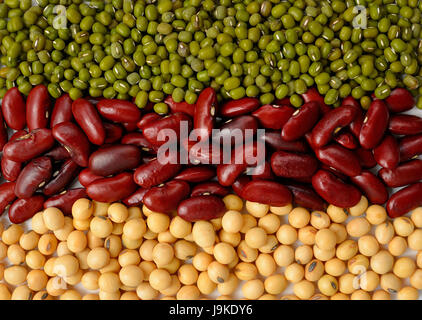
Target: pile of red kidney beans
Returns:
[[314, 155]]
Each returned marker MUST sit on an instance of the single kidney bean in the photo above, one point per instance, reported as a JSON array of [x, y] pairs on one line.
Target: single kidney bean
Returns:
[[334, 171], [154, 173], [112, 189], [366, 158], [371, 186], [301, 122], [183, 106], [235, 128], [274, 140], [209, 188], [147, 119], [341, 159], [375, 124], [406, 173], [62, 111], [387, 153], [262, 171], [136, 198], [130, 126], [234, 108], [204, 115], [272, 116], [202, 153], [7, 195], [405, 200], [347, 140], [293, 165], [14, 110], [410, 147], [350, 101], [196, 174], [62, 178], [34, 176], [400, 100], [114, 159], [240, 183], [3, 133], [404, 124], [86, 177], [325, 130], [38, 107], [74, 140], [89, 120], [165, 198], [313, 95], [139, 140], [267, 192], [356, 125], [65, 200], [119, 110], [24, 209], [113, 132], [305, 196], [334, 190], [201, 208], [58, 154], [9, 168]]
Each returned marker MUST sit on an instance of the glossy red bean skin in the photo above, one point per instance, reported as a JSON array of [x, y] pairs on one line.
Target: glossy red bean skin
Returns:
[[231, 128], [29, 146], [267, 192], [274, 140], [62, 111], [371, 186], [339, 158], [201, 208], [387, 154], [89, 120], [196, 174], [347, 140], [305, 196], [139, 140], [9, 168], [24, 209], [119, 110], [3, 133], [113, 132], [38, 107], [147, 119], [199, 153], [14, 109], [240, 183], [74, 140], [206, 108], [262, 171], [86, 177], [356, 125], [335, 191], [130, 126], [234, 108], [406, 173], [410, 147], [65, 201], [366, 158], [293, 165], [209, 188], [405, 200], [7, 195], [273, 116], [183, 106], [400, 100], [404, 124], [154, 173], [112, 189], [34, 176], [375, 124], [301, 122], [136, 198], [165, 198], [58, 154], [62, 178], [114, 159], [313, 95]]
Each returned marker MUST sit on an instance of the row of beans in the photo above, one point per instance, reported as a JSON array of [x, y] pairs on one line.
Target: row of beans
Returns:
[[112, 148]]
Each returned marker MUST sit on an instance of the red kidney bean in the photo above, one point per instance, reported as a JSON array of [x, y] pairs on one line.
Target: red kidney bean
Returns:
[[9, 168], [24, 209], [371, 186], [13, 108], [112, 189], [301, 121], [410, 147], [347, 140], [199, 153], [62, 111], [262, 171], [350, 101], [337, 173], [65, 200], [375, 124], [400, 100], [201, 208], [366, 158], [405, 200], [334, 190], [234, 108], [406, 173], [3, 133], [267, 192], [283, 102], [205, 111], [86, 177], [387, 154], [313, 95], [136, 198], [154, 173], [274, 140], [196, 174], [62, 178], [240, 184], [34, 176], [74, 140], [130, 126], [325, 130], [147, 119], [183, 106], [119, 110], [58, 154], [38, 107], [7, 195], [165, 198], [89, 120], [114, 159], [305, 196], [272, 116], [293, 165], [113, 132], [356, 125], [339, 158], [235, 128], [209, 188], [139, 140], [404, 124]]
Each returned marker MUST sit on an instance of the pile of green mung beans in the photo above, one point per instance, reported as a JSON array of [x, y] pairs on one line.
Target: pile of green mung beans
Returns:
[[271, 49]]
